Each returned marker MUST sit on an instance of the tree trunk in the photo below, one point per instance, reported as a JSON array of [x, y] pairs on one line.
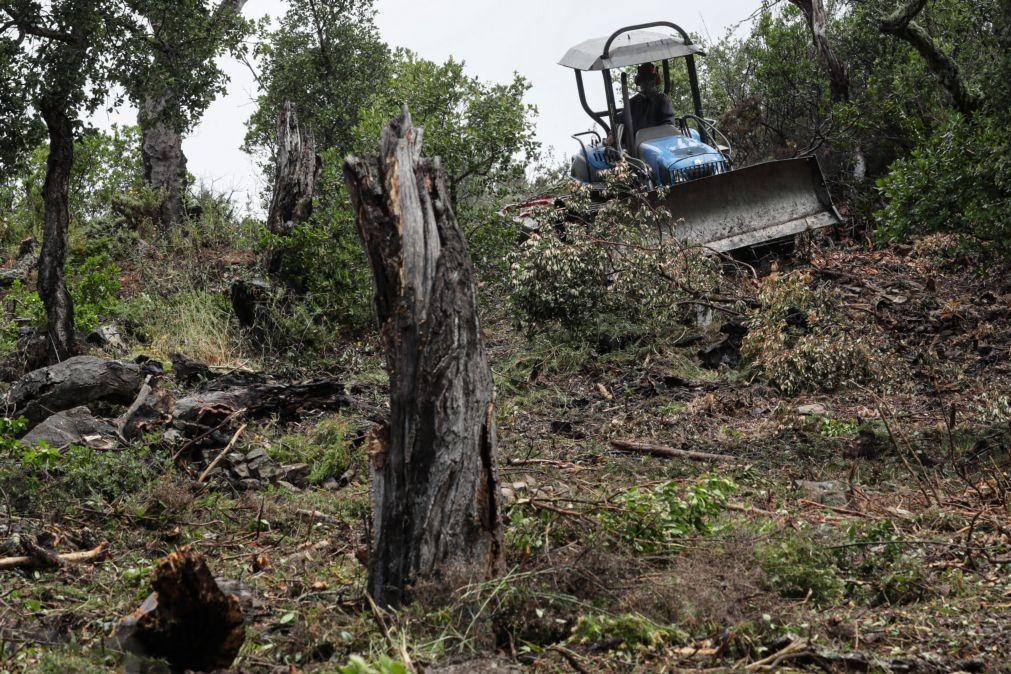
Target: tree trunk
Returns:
[[817, 21], [434, 488], [164, 161], [945, 69], [52, 283], [298, 171]]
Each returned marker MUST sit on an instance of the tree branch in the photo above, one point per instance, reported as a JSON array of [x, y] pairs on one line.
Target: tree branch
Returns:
[[900, 24]]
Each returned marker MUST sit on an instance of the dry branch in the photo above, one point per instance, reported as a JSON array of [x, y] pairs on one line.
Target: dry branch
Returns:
[[665, 452], [95, 554]]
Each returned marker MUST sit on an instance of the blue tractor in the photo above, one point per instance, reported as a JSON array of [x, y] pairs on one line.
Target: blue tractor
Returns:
[[712, 203]]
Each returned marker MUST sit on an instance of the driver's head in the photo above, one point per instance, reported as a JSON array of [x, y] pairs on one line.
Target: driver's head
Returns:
[[647, 78]]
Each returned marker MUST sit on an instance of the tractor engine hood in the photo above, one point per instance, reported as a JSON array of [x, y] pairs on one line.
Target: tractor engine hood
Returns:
[[677, 158]]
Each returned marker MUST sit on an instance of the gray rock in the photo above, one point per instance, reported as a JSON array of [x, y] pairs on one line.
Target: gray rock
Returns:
[[830, 493], [288, 485], [295, 473], [812, 409], [76, 426], [241, 471], [106, 336]]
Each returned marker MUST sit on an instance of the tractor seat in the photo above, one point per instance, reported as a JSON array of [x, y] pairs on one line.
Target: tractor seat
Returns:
[[654, 132]]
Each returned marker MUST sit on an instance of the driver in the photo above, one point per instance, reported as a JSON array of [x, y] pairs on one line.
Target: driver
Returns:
[[650, 107]]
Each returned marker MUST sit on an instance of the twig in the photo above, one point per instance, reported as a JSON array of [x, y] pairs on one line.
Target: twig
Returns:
[[669, 452], [221, 455], [200, 437], [571, 658], [69, 558]]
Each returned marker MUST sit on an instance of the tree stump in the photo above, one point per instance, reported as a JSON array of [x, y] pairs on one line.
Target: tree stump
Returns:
[[434, 488]]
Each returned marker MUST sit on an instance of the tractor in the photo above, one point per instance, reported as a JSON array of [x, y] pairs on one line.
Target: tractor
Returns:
[[712, 203]]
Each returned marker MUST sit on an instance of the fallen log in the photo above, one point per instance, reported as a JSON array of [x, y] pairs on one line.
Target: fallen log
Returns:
[[76, 381], [288, 401], [665, 452], [77, 426], [95, 554]]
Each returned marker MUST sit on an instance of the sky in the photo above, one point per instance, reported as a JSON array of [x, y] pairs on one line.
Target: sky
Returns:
[[494, 39]]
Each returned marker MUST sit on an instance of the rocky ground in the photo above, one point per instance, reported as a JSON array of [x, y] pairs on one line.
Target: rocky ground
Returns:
[[669, 507]]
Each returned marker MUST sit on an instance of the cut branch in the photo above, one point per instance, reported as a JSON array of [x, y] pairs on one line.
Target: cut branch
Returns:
[[665, 452], [92, 555]]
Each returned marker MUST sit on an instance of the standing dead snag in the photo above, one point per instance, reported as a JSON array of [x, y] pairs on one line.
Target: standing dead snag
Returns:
[[434, 493]]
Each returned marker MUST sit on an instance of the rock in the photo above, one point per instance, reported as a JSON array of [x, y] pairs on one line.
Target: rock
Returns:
[[76, 381], [188, 620], [76, 426], [107, 337], [508, 495], [172, 437], [812, 409], [257, 455], [241, 471], [295, 473], [288, 485], [830, 493]]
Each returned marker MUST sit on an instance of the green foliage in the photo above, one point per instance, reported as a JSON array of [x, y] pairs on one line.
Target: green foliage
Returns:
[[10, 430], [871, 566], [482, 132], [628, 632], [956, 180], [622, 266], [327, 59], [94, 286], [800, 341], [800, 567], [384, 665], [324, 260], [654, 519], [325, 448]]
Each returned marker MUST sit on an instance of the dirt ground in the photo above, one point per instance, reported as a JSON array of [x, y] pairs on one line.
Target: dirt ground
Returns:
[[860, 529]]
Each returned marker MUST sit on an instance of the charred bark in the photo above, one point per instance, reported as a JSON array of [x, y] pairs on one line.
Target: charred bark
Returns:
[[900, 24], [52, 282], [298, 171], [434, 495], [164, 162]]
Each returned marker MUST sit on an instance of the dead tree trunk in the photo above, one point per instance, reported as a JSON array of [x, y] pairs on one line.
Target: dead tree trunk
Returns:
[[298, 170], [434, 500], [900, 24], [52, 282]]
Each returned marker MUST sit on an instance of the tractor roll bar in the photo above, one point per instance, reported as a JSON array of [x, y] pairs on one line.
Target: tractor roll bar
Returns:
[[693, 78], [596, 116], [642, 26]]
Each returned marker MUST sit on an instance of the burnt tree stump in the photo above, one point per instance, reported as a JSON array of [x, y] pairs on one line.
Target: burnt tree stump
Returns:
[[434, 488]]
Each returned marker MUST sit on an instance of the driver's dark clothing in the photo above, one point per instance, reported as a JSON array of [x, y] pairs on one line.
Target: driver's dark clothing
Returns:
[[651, 109]]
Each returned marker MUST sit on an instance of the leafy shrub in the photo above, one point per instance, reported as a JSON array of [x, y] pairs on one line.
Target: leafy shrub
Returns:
[[627, 632], [957, 180], [325, 448], [800, 567], [94, 286], [620, 264], [799, 341], [654, 519]]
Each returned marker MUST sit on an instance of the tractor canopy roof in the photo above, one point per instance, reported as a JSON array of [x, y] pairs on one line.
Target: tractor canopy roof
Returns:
[[628, 47]]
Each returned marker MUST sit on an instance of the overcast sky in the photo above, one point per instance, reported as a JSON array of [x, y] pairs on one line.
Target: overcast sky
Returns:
[[494, 38]]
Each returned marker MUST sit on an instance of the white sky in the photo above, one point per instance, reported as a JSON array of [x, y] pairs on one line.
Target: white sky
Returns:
[[494, 39]]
